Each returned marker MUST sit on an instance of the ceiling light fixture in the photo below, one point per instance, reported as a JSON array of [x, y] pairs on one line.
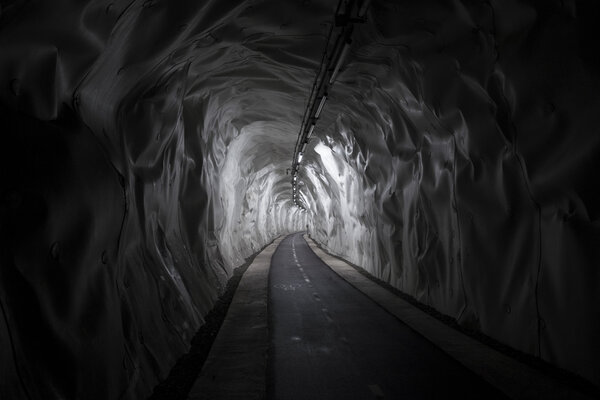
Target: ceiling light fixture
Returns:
[[333, 59], [321, 104], [310, 131], [363, 8], [340, 61]]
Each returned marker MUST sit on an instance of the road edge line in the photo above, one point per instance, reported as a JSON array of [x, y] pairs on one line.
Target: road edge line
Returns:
[[513, 378], [236, 366]]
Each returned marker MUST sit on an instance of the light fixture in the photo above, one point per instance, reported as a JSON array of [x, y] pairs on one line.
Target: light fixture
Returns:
[[310, 131], [340, 60], [363, 8], [331, 63], [321, 104]]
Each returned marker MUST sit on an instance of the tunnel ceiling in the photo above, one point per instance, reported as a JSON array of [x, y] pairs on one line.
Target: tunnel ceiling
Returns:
[[146, 149]]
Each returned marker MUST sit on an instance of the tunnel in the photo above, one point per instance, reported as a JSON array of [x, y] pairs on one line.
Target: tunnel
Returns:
[[446, 150]]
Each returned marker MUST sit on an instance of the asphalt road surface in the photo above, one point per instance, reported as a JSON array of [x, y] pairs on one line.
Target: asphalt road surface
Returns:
[[329, 341]]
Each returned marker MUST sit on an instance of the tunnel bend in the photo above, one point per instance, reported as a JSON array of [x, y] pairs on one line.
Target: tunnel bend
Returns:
[[144, 157], [328, 340]]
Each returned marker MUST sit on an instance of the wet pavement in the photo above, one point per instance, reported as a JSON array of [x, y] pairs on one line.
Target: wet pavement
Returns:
[[330, 341]]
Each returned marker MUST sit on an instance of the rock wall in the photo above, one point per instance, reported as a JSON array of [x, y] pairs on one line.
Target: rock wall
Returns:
[[459, 167], [145, 148], [134, 180]]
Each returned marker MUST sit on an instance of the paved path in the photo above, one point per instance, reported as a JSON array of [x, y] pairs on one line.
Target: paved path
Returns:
[[236, 365], [330, 341], [328, 332]]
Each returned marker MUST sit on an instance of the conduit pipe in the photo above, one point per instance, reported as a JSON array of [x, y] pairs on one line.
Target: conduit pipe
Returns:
[[321, 84]]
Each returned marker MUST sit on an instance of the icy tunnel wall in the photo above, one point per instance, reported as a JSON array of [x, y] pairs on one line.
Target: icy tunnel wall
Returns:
[[460, 167], [254, 209], [144, 148], [134, 179]]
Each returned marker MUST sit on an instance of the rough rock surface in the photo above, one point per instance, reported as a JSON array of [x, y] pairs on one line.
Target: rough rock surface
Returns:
[[144, 154]]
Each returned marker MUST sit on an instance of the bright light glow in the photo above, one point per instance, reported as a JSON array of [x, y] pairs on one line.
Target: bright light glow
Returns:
[[249, 190], [320, 108], [328, 159], [300, 155]]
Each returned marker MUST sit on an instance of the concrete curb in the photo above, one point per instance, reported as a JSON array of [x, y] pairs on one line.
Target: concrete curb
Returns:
[[236, 366], [514, 379]]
